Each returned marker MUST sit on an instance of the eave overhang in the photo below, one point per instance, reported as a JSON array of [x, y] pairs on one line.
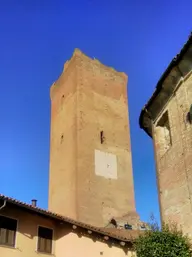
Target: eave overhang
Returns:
[[179, 67]]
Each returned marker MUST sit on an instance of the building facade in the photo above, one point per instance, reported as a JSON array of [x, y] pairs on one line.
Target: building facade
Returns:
[[91, 176], [27, 230], [167, 118]]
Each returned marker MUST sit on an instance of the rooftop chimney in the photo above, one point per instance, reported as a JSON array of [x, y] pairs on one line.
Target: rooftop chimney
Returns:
[[34, 203]]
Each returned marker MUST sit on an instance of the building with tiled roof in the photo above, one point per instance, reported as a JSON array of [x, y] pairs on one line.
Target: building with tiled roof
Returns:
[[27, 230]]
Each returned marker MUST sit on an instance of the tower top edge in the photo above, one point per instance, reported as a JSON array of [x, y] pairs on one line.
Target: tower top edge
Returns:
[[78, 53]]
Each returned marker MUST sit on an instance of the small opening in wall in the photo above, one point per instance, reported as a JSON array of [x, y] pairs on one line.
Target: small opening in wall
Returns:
[[61, 102], [189, 115], [62, 138], [113, 222], [143, 227], [164, 132], [102, 137], [128, 226]]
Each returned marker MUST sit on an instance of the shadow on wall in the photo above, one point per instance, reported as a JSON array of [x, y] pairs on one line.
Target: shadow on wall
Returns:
[[87, 241]]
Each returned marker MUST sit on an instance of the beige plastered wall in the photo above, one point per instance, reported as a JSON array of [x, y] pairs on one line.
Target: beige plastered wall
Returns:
[[26, 235], [76, 244]]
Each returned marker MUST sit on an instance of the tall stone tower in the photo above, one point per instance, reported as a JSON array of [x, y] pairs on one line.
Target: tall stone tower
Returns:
[[90, 151], [167, 118]]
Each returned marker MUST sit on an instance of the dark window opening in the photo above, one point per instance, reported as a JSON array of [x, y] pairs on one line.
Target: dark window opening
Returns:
[[61, 102], [8, 229], [113, 222], [45, 237], [189, 115], [143, 227], [62, 138], [127, 226], [102, 138], [164, 132]]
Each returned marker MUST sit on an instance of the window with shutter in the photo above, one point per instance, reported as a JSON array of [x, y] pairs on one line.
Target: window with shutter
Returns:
[[8, 229], [45, 237]]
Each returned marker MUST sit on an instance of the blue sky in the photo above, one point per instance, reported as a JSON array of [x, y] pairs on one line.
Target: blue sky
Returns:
[[37, 37]]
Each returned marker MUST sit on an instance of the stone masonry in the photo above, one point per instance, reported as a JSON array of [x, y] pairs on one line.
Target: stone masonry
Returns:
[[174, 160], [167, 118], [90, 150]]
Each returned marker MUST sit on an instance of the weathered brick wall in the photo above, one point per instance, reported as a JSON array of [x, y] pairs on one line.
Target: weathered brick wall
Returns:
[[98, 176], [174, 165], [63, 141]]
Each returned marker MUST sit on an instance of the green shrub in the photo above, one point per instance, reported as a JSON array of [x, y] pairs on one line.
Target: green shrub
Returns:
[[165, 242]]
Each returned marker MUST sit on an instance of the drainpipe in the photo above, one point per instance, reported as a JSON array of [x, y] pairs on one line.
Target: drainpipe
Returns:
[[4, 204], [156, 163]]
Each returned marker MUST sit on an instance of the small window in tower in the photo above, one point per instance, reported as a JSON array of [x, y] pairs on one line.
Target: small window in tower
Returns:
[[61, 101], [164, 132], [62, 138], [102, 138]]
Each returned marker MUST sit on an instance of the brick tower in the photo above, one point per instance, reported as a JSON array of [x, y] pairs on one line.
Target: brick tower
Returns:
[[90, 151], [167, 118]]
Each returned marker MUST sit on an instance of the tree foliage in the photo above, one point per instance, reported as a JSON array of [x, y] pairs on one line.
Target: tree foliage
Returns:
[[165, 242]]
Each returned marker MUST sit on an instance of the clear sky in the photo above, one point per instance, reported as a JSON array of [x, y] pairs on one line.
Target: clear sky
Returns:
[[37, 37]]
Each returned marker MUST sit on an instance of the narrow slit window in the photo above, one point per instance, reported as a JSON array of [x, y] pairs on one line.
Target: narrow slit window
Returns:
[[189, 115], [8, 229], [62, 101], [102, 137], [45, 238], [62, 138]]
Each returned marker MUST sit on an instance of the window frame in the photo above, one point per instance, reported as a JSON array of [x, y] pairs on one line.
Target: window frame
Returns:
[[37, 242], [15, 235], [162, 121]]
